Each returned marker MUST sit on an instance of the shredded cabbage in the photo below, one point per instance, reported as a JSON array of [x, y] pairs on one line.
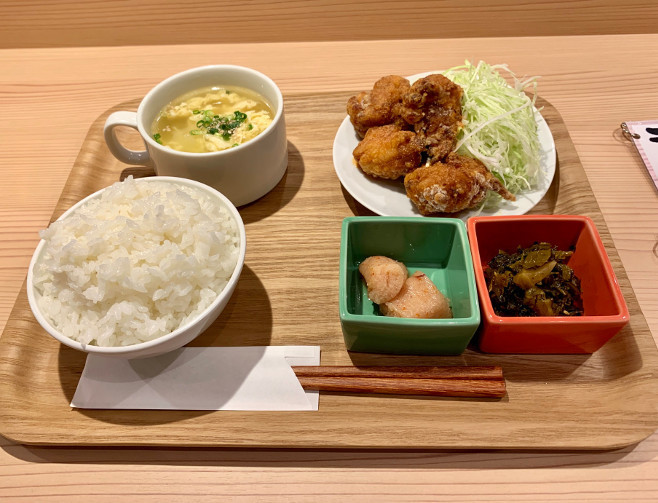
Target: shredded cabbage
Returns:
[[499, 126]]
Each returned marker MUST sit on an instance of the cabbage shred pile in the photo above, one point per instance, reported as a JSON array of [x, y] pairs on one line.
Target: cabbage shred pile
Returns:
[[499, 125]]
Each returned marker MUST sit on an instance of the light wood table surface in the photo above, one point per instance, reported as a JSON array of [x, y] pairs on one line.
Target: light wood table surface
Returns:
[[48, 99]]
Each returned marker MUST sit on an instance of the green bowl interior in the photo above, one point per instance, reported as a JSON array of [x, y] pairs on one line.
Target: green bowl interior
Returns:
[[436, 247]]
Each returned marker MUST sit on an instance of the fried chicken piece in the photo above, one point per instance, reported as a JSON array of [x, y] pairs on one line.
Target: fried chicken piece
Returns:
[[458, 183], [419, 298], [388, 152], [384, 277], [433, 106], [380, 106]]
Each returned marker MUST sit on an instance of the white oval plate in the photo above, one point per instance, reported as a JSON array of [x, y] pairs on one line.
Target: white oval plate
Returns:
[[388, 197]]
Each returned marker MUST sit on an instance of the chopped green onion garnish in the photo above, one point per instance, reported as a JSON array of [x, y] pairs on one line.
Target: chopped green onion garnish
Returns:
[[156, 137], [250, 127], [214, 124], [195, 132]]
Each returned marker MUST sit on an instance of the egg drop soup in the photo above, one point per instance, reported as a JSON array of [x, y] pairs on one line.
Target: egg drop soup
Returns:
[[212, 119]]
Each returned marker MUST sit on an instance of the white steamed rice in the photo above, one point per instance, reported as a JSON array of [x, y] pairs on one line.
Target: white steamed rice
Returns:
[[136, 263]]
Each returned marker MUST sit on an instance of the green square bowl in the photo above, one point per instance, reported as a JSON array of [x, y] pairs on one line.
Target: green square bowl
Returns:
[[436, 246]]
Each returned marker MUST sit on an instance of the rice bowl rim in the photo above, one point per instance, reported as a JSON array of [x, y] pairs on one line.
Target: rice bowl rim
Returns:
[[116, 350]]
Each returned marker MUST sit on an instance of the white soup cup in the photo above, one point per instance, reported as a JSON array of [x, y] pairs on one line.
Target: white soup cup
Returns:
[[243, 173]]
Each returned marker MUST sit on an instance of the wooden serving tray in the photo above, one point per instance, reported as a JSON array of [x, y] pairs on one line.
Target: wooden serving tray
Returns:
[[288, 294]]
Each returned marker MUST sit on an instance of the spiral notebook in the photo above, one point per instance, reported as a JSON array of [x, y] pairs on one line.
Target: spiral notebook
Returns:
[[644, 134]]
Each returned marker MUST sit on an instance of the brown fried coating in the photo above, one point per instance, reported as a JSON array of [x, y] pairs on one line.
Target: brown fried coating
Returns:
[[457, 184], [388, 152], [380, 106], [433, 106]]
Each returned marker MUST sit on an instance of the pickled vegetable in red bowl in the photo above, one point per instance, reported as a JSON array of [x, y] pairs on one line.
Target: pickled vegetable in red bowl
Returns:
[[604, 309], [533, 281]]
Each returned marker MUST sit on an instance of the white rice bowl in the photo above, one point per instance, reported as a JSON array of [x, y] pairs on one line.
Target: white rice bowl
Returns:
[[137, 261]]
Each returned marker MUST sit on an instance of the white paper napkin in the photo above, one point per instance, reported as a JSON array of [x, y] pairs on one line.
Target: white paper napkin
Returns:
[[212, 378]]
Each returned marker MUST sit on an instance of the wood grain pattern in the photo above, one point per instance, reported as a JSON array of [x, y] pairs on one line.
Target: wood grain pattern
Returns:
[[605, 400], [57, 23], [247, 475], [595, 82]]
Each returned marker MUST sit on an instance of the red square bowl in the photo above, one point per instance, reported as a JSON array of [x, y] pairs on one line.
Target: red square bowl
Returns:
[[605, 311]]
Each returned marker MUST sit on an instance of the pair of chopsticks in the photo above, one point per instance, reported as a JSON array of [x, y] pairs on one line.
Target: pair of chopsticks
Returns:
[[482, 382]]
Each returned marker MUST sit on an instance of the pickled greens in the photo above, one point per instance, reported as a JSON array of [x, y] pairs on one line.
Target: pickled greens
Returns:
[[533, 281], [499, 124]]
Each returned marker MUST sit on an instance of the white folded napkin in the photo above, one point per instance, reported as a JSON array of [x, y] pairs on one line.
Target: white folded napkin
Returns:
[[191, 378]]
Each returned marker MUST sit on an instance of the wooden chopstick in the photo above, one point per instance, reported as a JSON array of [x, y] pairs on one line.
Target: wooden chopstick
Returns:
[[448, 372], [432, 381], [483, 388]]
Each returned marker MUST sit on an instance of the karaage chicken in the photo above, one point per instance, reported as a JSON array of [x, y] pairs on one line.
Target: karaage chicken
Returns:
[[457, 184], [380, 106], [433, 106], [388, 152]]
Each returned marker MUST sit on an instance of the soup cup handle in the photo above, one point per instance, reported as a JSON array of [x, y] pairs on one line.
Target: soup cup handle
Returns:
[[122, 153]]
